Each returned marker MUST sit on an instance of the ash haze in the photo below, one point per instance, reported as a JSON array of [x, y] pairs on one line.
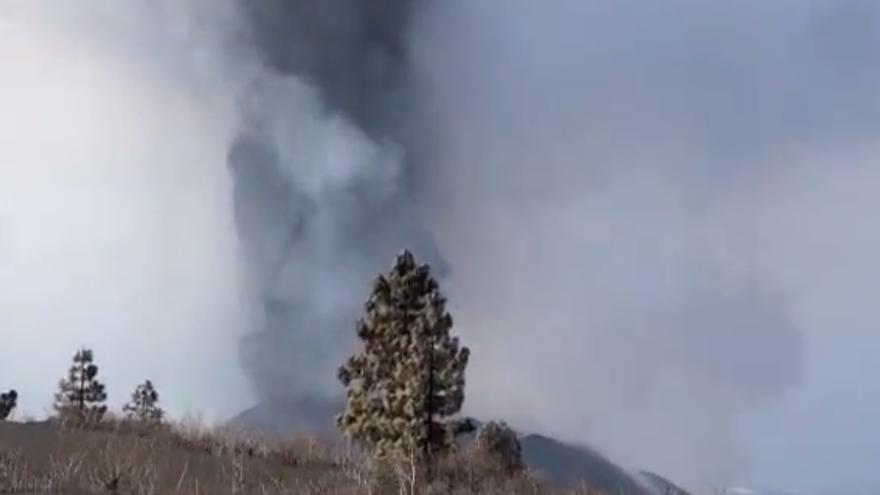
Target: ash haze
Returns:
[[655, 221], [115, 217]]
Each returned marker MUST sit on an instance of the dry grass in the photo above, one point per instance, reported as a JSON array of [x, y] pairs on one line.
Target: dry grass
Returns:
[[188, 459]]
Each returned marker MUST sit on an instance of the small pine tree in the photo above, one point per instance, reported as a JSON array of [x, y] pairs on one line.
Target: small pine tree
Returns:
[[408, 379], [8, 401], [81, 396], [144, 405], [498, 444]]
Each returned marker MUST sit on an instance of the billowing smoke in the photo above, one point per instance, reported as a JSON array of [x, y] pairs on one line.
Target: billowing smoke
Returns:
[[656, 216], [322, 180]]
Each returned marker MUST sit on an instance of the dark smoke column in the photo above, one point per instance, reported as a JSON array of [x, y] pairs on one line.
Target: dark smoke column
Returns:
[[323, 181]]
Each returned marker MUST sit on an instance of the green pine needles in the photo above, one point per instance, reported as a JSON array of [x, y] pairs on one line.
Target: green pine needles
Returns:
[[408, 379]]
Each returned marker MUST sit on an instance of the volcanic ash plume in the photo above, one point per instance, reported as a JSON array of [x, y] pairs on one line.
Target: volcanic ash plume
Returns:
[[372, 122], [321, 180]]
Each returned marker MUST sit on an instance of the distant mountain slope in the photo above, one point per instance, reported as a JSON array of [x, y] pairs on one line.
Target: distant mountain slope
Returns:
[[565, 463], [741, 490], [306, 416], [661, 485], [555, 460]]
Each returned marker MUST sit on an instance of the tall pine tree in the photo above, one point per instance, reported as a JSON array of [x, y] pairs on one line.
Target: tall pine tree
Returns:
[[81, 396], [408, 379]]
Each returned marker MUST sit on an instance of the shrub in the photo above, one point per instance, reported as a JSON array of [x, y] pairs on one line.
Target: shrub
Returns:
[[8, 401], [499, 445]]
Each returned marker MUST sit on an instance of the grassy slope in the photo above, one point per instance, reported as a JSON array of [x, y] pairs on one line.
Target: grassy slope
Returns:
[[42, 458], [38, 457]]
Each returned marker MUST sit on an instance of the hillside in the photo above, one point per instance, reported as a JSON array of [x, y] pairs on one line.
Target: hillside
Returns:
[[555, 461], [40, 457]]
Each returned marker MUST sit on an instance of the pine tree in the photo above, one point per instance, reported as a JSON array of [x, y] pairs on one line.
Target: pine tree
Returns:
[[408, 379], [144, 405], [8, 401], [81, 396]]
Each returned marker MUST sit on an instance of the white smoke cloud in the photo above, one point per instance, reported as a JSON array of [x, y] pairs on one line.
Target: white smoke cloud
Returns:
[[308, 261]]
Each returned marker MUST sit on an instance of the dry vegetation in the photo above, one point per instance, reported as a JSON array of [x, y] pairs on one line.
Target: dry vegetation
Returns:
[[409, 358], [186, 459]]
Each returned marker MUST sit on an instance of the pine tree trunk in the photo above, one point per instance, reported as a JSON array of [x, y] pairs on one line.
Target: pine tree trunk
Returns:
[[81, 394], [429, 409]]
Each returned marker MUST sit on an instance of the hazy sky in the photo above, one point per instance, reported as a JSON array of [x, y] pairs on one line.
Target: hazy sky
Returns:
[[664, 209]]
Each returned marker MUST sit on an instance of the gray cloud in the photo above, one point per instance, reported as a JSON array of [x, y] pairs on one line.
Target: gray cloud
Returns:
[[633, 193], [113, 136]]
